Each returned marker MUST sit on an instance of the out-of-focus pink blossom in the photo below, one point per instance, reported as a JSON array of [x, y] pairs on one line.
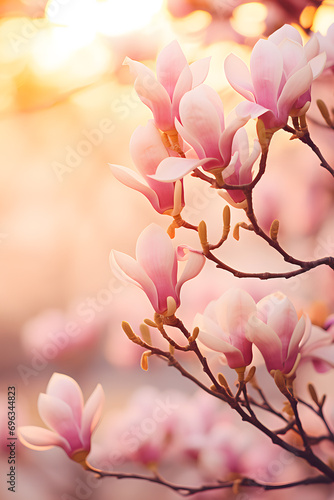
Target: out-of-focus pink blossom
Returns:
[[280, 77], [155, 270], [174, 77], [147, 152], [62, 409], [319, 349], [326, 43], [239, 170], [203, 127], [223, 326], [277, 332]]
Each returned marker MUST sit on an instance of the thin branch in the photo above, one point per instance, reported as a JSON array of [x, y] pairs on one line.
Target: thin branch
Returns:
[[187, 491]]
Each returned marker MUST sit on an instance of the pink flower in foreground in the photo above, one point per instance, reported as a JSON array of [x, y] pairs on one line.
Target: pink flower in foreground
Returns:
[[174, 77], [280, 77], [326, 43], [223, 326], [239, 170], [155, 270], [277, 332], [203, 127], [147, 151], [62, 409]]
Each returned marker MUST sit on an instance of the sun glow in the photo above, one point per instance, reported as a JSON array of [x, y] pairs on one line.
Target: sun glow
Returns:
[[108, 17]]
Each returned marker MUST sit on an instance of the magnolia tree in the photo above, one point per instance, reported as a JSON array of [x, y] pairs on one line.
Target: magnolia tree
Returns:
[[189, 135]]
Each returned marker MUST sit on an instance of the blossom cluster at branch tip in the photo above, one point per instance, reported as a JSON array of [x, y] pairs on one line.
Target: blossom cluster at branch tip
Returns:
[[278, 83], [147, 151], [71, 421], [234, 322], [155, 268], [162, 94]]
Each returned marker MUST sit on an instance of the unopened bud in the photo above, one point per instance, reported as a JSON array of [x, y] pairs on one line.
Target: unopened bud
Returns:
[[325, 113], [144, 360], [149, 322], [274, 229], [145, 333], [177, 198], [203, 235], [226, 221], [250, 374], [130, 334], [194, 335], [236, 232]]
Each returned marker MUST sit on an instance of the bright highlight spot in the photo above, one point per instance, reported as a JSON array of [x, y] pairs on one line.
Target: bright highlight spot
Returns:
[[249, 19], [107, 17], [323, 18]]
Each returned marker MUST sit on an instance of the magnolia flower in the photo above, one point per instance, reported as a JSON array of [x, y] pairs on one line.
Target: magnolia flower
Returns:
[[155, 270], [239, 170], [277, 332], [326, 43], [280, 77], [203, 127], [174, 77], [147, 151], [223, 326], [319, 349], [62, 409]]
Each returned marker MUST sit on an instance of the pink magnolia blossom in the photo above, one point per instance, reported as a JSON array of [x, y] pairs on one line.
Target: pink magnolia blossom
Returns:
[[174, 77], [280, 77], [62, 409], [155, 270], [319, 349], [277, 332], [223, 326], [326, 43], [203, 127], [239, 170], [147, 151]]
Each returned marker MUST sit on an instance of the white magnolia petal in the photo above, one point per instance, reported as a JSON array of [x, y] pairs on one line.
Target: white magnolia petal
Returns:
[[92, 413], [68, 390]]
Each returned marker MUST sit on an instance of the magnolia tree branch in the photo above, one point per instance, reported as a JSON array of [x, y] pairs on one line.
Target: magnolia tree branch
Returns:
[[187, 491]]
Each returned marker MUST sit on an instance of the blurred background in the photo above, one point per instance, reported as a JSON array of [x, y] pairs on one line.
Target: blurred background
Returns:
[[67, 109]]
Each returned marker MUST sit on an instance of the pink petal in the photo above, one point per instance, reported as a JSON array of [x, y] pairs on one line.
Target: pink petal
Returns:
[[266, 67], [226, 138], [147, 149], [318, 64], [283, 320], [92, 413], [67, 389], [190, 139], [245, 172], [293, 347], [182, 86], [156, 255], [58, 416], [201, 116], [234, 357], [153, 94], [172, 169], [312, 48], [286, 31], [296, 85], [131, 179], [194, 265], [293, 56], [170, 63], [241, 145], [200, 70], [250, 109], [267, 342], [38, 438], [128, 269], [239, 77]]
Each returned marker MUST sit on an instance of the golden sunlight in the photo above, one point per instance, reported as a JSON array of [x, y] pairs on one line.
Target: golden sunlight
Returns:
[[107, 17], [249, 19]]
